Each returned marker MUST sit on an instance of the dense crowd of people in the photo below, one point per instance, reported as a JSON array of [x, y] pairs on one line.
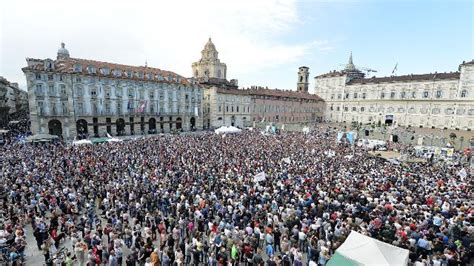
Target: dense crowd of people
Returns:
[[194, 199], [15, 125]]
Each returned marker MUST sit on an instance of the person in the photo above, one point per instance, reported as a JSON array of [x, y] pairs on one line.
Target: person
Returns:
[[155, 257]]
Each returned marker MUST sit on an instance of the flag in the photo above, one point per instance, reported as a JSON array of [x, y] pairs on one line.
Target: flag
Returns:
[[395, 68], [263, 119], [259, 177], [108, 136], [339, 136]]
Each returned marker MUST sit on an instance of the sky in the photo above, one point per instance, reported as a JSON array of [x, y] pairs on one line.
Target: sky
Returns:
[[262, 42]]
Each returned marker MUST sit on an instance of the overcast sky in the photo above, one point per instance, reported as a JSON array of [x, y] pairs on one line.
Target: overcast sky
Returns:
[[262, 42]]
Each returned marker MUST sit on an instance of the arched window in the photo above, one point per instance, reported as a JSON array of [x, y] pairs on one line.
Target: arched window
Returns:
[[463, 93], [219, 73], [301, 78], [196, 73]]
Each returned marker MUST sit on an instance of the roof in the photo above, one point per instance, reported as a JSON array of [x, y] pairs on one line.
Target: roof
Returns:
[[331, 74], [284, 93], [419, 77], [232, 91], [270, 92], [468, 63], [67, 66]]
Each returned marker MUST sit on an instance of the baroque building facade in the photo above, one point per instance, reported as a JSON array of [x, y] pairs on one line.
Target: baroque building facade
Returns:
[[71, 96], [12, 98], [435, 100], [224, 104]]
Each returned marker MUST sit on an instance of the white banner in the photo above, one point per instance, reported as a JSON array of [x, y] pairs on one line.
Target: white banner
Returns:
[[259, 177]]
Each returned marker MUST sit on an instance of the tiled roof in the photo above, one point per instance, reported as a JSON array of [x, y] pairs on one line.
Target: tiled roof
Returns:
[[420, 77], [67, 66], [284, 93], [270, 93]]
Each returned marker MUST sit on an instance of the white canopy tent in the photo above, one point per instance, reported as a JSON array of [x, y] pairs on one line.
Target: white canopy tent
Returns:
[[81, 142], [359, 249], [227, 130]]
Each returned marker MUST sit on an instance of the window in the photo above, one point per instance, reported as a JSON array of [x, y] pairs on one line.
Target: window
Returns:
[[460, 111], [463, 93], [426, 94], [105, 71], [50, 77], [41, 108], [363, 95], [64, 107], [78, 79], [332, 96], [77, 68], [119, 108], [237, 109], [402, 95], [346, 108], [151, 94], [63, 90], [94, 91], [362, 109], [338, 108], [332, 108], [39, 89], [411, 110], [449, 111], [232, 108], [355, 95], [339, 96], [354, 109], [38, 76], [91, 69], [392, 95], [130, 93], [382, 95], [79, 91], [117, 73], [435, 111], [347, 96], [80, 108], [413, 94], [220, 108], [439, 94], [51, 91], [227, 108]]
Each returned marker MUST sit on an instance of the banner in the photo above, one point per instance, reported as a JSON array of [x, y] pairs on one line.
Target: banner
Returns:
[[259, 177], [350, 137], [339, 136]]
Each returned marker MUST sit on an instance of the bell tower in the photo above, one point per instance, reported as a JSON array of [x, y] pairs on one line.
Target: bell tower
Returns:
[[303, 84]]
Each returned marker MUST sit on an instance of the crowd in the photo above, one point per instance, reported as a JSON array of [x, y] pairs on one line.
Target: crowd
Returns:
[[193, 199], [15, 125]]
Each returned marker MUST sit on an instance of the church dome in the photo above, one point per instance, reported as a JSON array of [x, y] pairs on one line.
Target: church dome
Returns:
[[210, 46], [63, 52]]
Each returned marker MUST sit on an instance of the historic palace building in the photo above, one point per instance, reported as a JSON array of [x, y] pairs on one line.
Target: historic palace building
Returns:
[[224, 104], [435, 100], [71, 96], [12, 98]]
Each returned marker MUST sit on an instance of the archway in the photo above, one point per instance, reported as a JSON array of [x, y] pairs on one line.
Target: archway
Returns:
[[55, 127], [120, 126], [193, 123], [152, 125], [178, 123], [388, 120], [81, 128]]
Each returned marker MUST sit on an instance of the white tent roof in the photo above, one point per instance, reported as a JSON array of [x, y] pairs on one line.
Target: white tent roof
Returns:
[[363, 250], [224, 129], [82, 141]]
